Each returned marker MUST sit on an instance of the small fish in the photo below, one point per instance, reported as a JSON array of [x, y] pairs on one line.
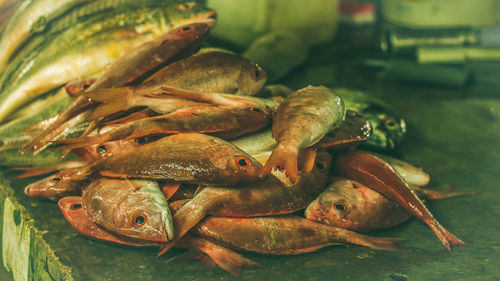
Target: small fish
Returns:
[[263, 198], [223, 122], [380, 176], [132, 208], [212, 72], [351, 205], [72, 209], [190, 158], [301, 121]]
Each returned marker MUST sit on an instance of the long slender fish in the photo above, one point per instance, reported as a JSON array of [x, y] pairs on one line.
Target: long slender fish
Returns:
[[29, 16], [380, 176], [301, 121]]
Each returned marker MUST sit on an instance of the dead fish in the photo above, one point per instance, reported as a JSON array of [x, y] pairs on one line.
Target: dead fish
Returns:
[[351, 205], [224, 122], [284, 235], [413, 175], [72, 209], [268, 197], [175, 44], [212, 72], [52, 187], [301, 121], [380, 176], [190, 158], [133, 208]]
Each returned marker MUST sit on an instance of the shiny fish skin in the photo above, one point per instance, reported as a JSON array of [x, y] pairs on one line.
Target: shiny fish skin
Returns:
[[176, 43], [133, 208], [267, 197], [301, 121], [284, 235], [190, 158]]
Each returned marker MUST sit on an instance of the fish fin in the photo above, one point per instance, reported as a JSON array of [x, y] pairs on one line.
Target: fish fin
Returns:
[[228, 260], [187, 217], [57, 125], [111, 100], [283, 158], [170, 188], [36, 171], [225, 258], [80, 142], [444, 235], [446, 192], [378, 243], [307, 158]]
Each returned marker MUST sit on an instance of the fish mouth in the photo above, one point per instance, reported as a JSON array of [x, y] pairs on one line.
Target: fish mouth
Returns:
[[168, 225], [209, 18]]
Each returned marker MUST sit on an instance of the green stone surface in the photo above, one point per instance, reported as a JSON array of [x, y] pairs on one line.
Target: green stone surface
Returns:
[[453, 133]]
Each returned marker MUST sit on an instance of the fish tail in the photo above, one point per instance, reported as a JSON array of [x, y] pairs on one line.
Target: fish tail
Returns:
[[226, 259], [56, 126], [36, 171], [378, 243], [445, 236], [446, 192], [283, 157], [111, 100]]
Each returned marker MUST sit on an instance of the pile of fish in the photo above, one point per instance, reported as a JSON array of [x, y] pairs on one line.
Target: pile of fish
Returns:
[[176, 146]]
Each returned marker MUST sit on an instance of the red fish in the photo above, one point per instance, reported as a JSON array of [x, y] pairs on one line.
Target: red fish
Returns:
[[380, 176]]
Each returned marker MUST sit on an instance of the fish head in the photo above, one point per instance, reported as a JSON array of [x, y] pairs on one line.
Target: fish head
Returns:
[[252, 78], [336, 205], [72, 209], [242, 168], [191, 12], [388, 130], [53, 186], [132, 208]]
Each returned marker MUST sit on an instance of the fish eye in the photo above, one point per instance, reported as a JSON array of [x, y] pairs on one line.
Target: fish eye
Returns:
[[140, 219], [76, 206], [86, 86], [56, 179], [242, 162], [340, 206], [257, 73], [186, 28], [390, 123], [320, 166], [101, 148]]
